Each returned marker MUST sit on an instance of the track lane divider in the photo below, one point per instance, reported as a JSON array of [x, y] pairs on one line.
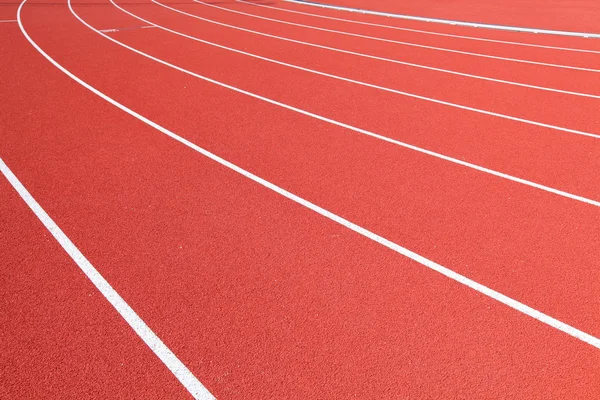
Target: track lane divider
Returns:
[[476, 167], [394, 61], [512, 303], [401, 28], [411, 44], [187, 379], [169, 359]]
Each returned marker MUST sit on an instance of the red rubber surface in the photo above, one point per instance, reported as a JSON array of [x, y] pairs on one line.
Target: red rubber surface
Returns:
[[7, 13], [453, 132], [579, 59], [258, 296], [60, 338], [578, 16], [552, 40]]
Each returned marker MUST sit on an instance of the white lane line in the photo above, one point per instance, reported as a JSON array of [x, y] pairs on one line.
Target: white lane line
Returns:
[[426, 67], [361, 83], [137, 324], [450, 22], [399, 28], [353, 128], [8, 20], [169, 359], [514, 304], [570, 67]]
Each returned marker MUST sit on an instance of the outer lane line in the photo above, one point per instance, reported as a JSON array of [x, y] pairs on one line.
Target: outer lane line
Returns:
[[423, 31], [516, 305], [169, 359], [350, 127], [361, 83], [468, 53], [450, 22], [426, 67]]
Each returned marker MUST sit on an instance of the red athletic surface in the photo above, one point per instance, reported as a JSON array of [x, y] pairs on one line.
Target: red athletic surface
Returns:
[[445, 28], [573, 15], [399, 51], [257, 295]]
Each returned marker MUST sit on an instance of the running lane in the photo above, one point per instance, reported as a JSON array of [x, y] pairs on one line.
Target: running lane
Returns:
[[390, 72], [60, 338], [501, 69], [551, 40], [453, 214], [581, 59], [559, 159], [266, 298], [579, 16]]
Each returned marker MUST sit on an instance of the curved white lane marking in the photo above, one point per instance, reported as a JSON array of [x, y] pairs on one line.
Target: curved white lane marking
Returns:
[[514, 304], [450, 22], [426, 67], [422, 46], [352, 128], [399, 28], [361, 83], [169, 359]]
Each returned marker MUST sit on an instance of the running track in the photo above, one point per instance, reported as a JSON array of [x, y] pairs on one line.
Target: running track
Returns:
[[281, 205]]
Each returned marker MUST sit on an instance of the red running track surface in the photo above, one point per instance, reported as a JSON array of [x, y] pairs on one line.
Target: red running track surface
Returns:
[[258, 296], [435, 35], [495, 34], [578, 16]]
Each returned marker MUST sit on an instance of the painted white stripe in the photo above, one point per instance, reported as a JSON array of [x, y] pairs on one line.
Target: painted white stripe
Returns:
[[137, 324], [169, 359], [399, 28], [570, 67], [394, 61], [450, 22], [514, 304], [350, 127], [361, 83], [8, 20]]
